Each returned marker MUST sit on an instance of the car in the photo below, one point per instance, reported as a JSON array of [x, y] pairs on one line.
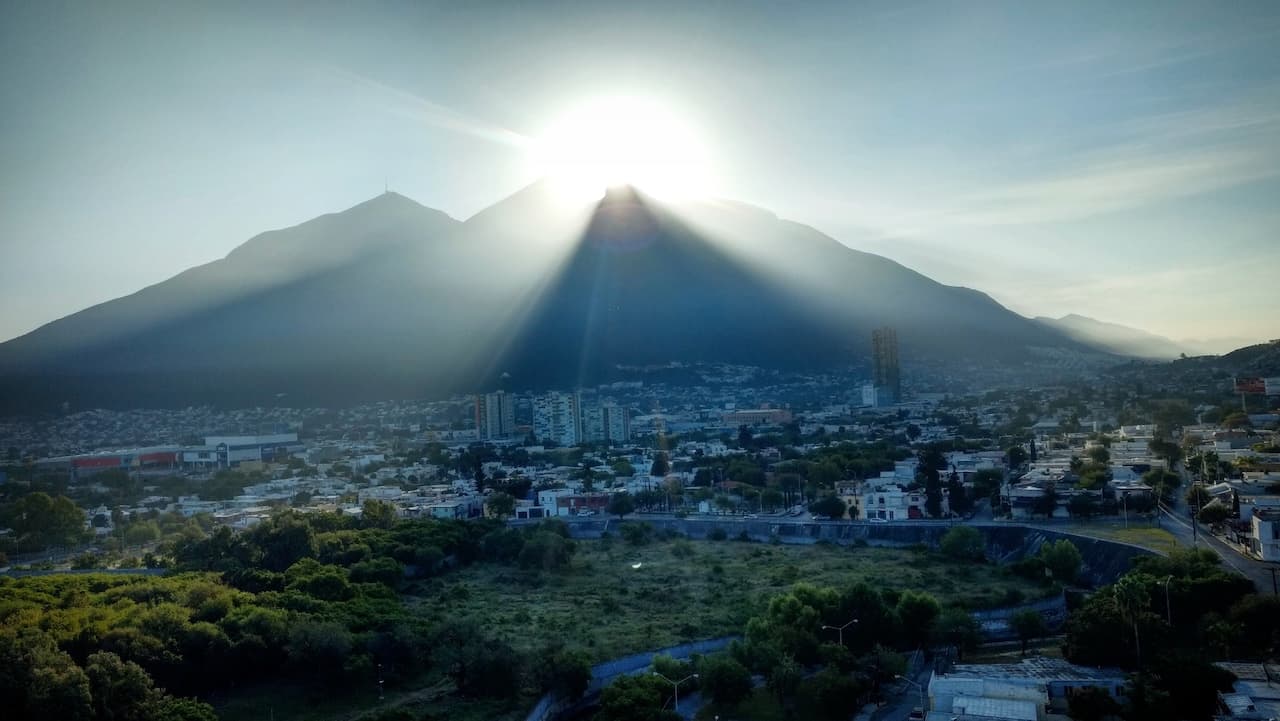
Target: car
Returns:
[[818, 517], [586, 513], [752, 515], [878, 520], [917, 714]]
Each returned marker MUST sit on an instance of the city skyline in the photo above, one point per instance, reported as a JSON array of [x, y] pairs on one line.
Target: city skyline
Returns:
[[1020, 151]]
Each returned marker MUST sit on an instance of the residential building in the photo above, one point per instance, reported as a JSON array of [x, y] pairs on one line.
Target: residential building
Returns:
[[557, 418], [1264, 535], [756, 417], [884, 352], [1030, 690], [495, 415]]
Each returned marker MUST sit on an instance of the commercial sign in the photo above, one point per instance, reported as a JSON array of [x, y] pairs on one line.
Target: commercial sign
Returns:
[[1251, 385]]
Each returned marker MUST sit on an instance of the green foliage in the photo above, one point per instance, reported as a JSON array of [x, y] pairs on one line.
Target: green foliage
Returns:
[[620, 504], [636, 698], [39, 521], [723, 679], [564, 673], [1029, 625], [917, 612], [501, 505], [1063, 559], [637, 534], [963, 543], [830, 506]]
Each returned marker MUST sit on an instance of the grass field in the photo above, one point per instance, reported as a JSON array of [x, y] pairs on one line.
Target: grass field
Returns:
[[1156, 539], [617, 599]]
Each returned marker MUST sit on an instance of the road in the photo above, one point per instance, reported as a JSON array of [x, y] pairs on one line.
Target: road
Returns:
[[1254, 570]]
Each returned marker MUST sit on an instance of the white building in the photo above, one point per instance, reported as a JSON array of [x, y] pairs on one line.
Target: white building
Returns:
[[1264, 535], [557, 418]]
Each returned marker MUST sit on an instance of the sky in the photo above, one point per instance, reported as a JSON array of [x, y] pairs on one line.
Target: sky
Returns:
[[1116, 160]]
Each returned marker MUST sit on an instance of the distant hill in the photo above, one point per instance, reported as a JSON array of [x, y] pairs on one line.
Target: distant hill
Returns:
[[1118, 339], [392, 299]]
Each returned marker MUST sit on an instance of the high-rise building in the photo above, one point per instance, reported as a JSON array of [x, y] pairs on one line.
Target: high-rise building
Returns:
[[495, 416], [616, 422], [557, 418], [884, 353]]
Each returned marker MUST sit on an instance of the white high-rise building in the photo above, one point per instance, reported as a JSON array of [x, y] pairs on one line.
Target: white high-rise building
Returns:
[[495, 416], [593, 425], [616, 422], [557, 418]]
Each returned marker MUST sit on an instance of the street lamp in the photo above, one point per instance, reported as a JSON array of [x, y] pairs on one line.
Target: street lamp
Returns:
[[1168, 609], [675, 685], [918, 686], [840, 629]]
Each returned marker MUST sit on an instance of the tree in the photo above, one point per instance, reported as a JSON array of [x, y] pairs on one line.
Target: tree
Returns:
[[957, 627], [957, 498], [1100, 455], [501, 505], [661, 466], [1214, 513], [622, 468], [931, 464], [1063, 559], [636, 698], [784, 679], [1047, 503], [830, 506], [121, 690], [725, 680], [1092, 704], [1083, 505], [1132, 600], [963, 543], [377, 514], [565, 673], [1028, 624], [620, 504], [1017, 456], [918, 611]]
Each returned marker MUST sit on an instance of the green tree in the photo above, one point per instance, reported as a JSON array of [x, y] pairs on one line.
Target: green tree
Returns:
[[620, 504], [1092, 704], [377, 514], [636, 698], [661, 466], [121, 690], [957, 627], [917, 611], [1017, 456], [565, 673], [1063, 559], [1214, 513], [784, 679], [1029, 625], [725, 680], [1100, 455], [830, 506], [501, 505], [963, 543]]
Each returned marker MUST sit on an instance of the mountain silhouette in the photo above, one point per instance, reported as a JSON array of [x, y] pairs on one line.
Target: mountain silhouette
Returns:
[[392, 299], [1115, 338]]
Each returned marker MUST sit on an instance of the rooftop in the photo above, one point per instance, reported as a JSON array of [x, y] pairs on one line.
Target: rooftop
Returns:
[[1039, 669]]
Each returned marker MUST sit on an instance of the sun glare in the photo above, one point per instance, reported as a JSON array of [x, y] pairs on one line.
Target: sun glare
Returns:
[[623, 140]]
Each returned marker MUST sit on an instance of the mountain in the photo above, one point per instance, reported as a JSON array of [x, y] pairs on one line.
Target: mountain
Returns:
[[1118, 339], [392, 299]]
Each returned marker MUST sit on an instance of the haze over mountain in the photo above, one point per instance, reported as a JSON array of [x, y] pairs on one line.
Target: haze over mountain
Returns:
[[393, 299], [1116, 338]]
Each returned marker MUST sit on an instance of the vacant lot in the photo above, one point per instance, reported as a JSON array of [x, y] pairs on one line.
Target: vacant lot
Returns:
[[616, 599]]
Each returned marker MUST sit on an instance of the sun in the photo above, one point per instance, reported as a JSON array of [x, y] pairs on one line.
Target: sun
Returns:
[[623, 140]]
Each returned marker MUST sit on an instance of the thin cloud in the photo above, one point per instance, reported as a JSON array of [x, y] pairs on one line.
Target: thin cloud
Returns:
[[402, 102]]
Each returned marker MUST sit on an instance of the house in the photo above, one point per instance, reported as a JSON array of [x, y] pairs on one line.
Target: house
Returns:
[[448, 509], [1254, 696], [1264, 535]]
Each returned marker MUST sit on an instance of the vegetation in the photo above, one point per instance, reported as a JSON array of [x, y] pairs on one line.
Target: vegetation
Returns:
[[472, 619]]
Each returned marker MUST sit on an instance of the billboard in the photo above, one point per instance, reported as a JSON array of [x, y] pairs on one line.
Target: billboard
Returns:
[[1251, 385]]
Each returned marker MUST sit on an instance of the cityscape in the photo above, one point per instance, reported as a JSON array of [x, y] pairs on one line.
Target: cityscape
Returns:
[[560, 361]]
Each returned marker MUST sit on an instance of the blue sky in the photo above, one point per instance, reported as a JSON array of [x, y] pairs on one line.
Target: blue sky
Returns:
[[1121, 161]]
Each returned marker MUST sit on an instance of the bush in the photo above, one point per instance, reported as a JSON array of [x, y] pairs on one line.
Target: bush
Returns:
[[964, 543], [717, 534]]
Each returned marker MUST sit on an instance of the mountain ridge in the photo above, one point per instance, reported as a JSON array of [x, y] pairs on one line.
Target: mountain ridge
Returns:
[[391, 298]]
